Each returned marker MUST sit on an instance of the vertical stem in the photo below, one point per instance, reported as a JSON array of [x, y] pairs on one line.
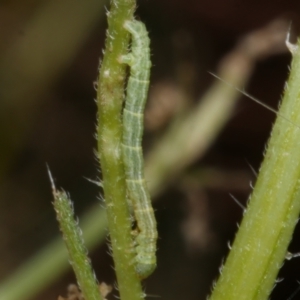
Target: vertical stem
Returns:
[[261, 244], [109, 99], [74, 242]]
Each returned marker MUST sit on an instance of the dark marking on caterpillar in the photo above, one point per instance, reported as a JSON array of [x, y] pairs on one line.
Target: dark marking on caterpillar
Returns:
[[133, 126]]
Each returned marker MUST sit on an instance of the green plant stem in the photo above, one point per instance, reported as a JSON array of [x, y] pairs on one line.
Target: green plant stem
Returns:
[[261, 244], [110, 99], [51, 262], [74, 242]]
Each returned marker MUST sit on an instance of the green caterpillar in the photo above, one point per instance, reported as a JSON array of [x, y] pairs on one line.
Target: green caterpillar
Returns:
[[133, 125]]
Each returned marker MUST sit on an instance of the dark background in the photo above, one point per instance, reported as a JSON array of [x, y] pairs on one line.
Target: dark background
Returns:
[[49, 56]]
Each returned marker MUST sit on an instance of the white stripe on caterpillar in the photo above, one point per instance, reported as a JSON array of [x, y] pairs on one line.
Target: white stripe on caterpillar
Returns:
[[133, 125]]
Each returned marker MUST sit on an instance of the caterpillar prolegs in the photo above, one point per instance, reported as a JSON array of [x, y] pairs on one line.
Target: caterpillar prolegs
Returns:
[[133, 124]]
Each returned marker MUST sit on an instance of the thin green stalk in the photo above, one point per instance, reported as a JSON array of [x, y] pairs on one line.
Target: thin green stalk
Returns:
[[261, 244], [74, 242], [110, 100], [161, 165]]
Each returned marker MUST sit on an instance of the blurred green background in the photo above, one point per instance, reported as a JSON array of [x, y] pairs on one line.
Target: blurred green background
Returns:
[[49, 58]]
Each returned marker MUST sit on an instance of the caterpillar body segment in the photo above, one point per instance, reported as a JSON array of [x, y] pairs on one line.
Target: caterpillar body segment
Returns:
[[133, 126]]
